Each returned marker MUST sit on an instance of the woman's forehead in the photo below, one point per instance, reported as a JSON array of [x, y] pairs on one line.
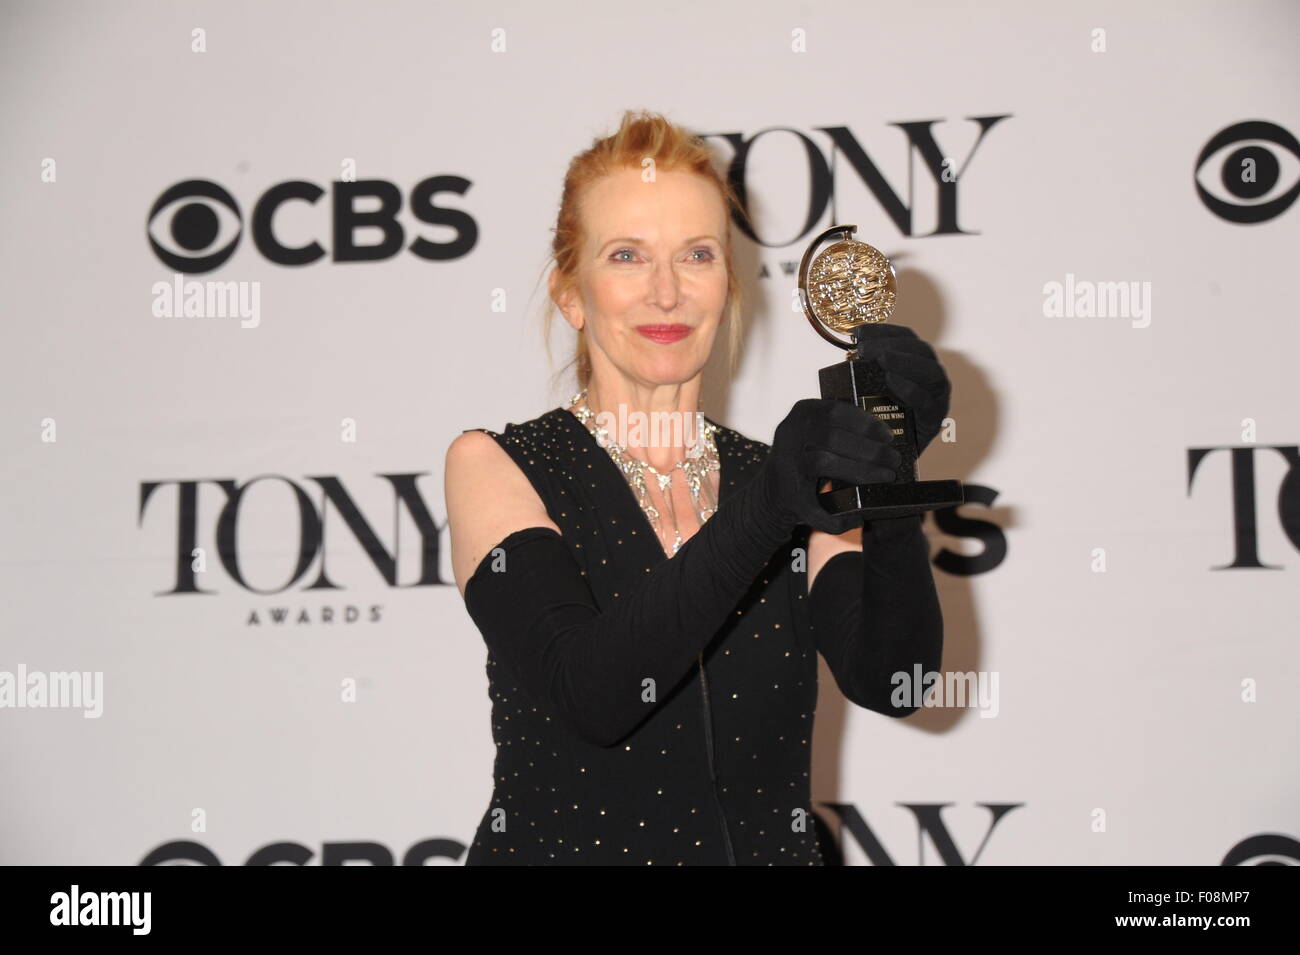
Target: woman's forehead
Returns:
[[672, 206]]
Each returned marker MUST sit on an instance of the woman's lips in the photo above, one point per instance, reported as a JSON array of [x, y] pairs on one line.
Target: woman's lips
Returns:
[[664, 334]]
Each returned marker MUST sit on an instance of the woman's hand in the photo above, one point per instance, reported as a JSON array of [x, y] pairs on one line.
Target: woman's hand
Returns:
[[825, 438], [912, 373]]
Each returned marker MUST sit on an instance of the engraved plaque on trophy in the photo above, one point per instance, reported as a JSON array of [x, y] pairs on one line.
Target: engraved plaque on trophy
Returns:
[[844, 288]]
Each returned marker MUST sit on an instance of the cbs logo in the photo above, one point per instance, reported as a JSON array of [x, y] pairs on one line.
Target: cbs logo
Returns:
[[195, 226], [1248, 171]]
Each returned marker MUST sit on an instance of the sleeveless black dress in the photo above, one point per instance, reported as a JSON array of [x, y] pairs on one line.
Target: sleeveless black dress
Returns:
[[719, 773]]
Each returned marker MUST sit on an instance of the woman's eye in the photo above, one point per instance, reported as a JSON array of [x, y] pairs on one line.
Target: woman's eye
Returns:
[[695, 255]]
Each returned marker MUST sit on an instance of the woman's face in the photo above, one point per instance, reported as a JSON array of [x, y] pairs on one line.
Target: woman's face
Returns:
[[652, 261]]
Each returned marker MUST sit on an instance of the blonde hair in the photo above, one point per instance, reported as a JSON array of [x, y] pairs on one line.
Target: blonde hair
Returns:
[[640, 135]]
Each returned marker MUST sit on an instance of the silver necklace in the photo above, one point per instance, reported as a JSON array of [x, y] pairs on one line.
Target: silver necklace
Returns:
[[701, 459]]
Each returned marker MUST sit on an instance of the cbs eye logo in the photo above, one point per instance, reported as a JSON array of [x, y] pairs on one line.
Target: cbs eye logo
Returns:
[[1249, 171], [195, 226], [1268, 848]]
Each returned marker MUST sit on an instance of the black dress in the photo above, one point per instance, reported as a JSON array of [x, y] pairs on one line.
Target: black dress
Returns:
[[719, 773]]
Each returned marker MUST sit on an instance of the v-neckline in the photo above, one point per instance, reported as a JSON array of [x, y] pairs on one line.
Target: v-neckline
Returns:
[[723, 472]]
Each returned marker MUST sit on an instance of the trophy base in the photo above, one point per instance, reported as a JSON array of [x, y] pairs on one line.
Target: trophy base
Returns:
[[893, 500]]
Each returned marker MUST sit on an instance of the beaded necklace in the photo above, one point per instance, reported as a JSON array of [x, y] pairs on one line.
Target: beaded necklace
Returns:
[[701, 458]]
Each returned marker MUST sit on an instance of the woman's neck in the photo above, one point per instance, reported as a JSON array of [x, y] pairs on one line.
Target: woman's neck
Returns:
[[656, 425]]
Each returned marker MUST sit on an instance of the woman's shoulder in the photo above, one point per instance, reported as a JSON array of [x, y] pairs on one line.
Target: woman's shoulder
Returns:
[[536, 446], [523, 432], [493, 489]]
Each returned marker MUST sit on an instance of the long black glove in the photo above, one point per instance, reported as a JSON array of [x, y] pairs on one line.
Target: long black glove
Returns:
[[826, 438], [587, 667], [875, 613], [912, 373]]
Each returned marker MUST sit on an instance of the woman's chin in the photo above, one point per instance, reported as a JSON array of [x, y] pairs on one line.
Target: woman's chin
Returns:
[[671, 373]]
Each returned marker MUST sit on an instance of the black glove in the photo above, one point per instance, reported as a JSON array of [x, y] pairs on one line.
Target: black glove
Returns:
[[875, 613], [912, 373], [824, 438]]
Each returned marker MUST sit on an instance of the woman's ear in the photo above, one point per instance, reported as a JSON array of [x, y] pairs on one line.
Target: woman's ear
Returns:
[[566, 302], [563, 299]]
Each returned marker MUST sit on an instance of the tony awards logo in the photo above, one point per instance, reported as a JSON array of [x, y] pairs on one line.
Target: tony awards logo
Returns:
[[845, 288]]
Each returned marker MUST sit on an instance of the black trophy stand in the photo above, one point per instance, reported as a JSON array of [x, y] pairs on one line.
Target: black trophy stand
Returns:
[[863, 383]]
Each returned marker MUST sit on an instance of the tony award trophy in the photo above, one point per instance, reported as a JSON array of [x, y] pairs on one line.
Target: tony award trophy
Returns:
[[846, 287]]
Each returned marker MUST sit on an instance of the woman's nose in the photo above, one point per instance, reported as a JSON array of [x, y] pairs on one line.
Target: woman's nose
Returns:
[[664, 289]]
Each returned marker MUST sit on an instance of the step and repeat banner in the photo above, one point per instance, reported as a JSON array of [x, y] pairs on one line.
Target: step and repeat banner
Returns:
[[263, 262]]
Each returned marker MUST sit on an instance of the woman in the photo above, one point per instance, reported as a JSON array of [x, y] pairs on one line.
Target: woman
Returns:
[[653, 611]]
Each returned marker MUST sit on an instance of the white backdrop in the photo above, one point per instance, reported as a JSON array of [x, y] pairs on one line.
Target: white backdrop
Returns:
[[1147, 708]]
